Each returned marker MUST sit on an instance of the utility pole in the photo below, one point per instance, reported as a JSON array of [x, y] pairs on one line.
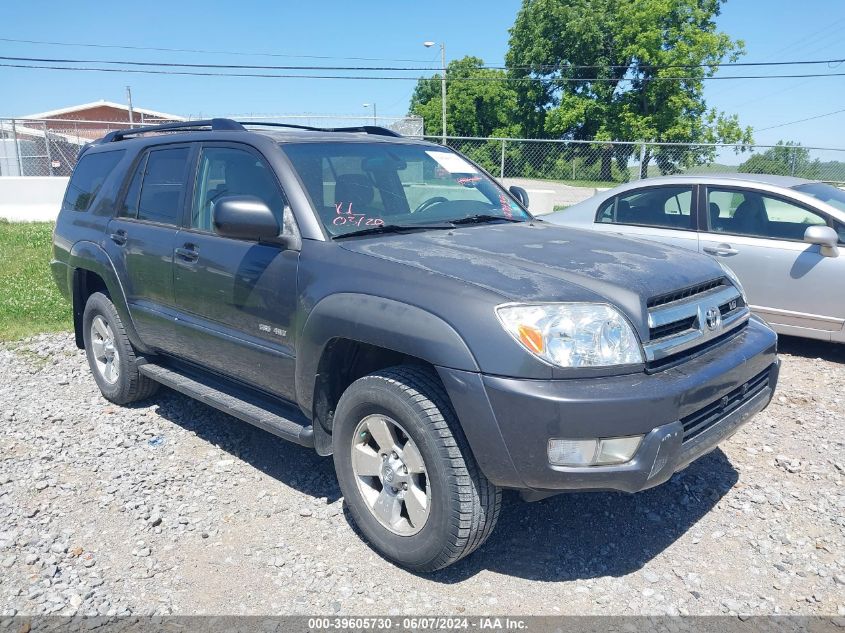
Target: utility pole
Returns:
[[129, 101], [375, 114], [442, 83]]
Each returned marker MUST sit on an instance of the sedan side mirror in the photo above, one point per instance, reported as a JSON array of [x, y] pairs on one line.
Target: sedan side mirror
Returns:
[[245, 218], [825, 237], [520, 194]]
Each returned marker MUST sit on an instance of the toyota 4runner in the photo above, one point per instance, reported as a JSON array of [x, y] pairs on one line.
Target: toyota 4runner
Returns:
[[385, 301]]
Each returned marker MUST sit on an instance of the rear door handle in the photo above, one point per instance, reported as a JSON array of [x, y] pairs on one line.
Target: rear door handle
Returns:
[[118, 237], [721, 250], [189, 253]]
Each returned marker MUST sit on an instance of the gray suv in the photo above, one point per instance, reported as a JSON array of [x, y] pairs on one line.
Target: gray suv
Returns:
[[383, 300]]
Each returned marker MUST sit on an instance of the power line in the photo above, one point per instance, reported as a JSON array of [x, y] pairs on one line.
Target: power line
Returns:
[[810, 118], [561, 67], [203, 51], [400, 78]]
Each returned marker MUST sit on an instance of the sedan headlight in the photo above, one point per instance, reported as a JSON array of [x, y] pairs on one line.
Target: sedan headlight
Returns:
[[734, 280], [573, 334]]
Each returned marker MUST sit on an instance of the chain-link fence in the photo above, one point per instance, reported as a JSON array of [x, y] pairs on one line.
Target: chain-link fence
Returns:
[[38, 147], [605, 164], [49, 147]]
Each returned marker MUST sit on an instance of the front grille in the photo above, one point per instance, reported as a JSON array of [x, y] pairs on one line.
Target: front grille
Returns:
[[689, 320], [691, 291], [697, 423], [672, 328]]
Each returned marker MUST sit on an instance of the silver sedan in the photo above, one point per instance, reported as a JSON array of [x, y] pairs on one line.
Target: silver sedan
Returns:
[[782, 236]]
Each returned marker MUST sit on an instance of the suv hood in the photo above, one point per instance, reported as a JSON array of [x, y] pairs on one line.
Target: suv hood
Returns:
[[542, 262]]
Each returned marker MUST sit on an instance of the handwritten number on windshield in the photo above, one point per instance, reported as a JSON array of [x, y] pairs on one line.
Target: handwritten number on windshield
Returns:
[[348, 217]]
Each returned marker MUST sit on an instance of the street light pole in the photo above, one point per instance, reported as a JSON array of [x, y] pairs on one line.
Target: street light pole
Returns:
[[442, 84], [375, 112]]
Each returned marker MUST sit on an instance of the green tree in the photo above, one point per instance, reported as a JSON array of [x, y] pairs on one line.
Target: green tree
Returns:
[[623, 70], [482, 108], [476, 104], [785, 159]]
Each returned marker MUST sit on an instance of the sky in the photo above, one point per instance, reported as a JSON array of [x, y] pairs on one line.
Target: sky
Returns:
[[773, 30]]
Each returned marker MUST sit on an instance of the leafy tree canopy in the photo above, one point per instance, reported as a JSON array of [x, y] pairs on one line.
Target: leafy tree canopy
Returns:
[[785, 159], [473, 108], [607, 70]]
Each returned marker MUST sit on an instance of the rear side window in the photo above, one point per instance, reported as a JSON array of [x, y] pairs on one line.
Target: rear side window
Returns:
[[87, 179], [163, 185], [130, 202], [663, 207]]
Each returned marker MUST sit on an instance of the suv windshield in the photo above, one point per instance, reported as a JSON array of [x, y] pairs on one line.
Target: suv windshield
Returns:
[[359, 185], [826, 193]]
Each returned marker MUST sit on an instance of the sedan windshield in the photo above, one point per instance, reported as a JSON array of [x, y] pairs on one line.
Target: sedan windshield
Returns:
[[356, 186], [826, 193]]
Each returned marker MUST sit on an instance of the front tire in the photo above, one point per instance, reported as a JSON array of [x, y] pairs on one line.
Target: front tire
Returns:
[[407, 473], [111, 356]]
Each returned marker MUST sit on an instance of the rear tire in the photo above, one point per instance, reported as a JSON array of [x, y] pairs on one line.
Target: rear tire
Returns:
[[415, 490], [111, 356]]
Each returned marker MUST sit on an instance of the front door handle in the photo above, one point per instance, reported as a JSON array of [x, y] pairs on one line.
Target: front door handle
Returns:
[[721, 250], [118, 237], [188, 253]]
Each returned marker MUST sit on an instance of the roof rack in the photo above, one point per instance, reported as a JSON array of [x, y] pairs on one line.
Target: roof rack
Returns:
[[229, 124], [366, 129], [214, 124]]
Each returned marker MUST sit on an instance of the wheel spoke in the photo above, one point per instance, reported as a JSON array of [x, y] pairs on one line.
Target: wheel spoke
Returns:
[[417, 505], [109, 371], [383, 434], [365, 461], [101, 328], [412, 458], [99, 349], [388, 508]]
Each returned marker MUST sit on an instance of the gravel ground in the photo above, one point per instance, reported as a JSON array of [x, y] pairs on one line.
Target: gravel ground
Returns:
[[172, 507]]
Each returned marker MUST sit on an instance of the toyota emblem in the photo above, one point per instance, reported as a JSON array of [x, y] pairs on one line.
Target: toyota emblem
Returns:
[[713, 318]]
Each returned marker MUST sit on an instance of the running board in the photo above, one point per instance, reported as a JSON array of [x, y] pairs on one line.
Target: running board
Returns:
[[274, 417]]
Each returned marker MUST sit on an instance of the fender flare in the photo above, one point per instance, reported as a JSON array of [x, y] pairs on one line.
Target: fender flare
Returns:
[[378, 321], [90, 256]]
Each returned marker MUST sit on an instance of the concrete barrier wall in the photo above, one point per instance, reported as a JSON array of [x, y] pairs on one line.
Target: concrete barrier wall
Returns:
[[31, 198]]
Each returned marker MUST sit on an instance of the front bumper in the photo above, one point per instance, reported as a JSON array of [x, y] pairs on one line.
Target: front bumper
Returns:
[[684, 412]]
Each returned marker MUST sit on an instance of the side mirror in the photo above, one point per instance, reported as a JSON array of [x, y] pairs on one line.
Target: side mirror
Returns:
[[520, 194], [245, 218], [825, 237]]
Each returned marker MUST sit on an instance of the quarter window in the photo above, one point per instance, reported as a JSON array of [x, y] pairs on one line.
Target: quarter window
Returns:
[[664, 207], [750, 213], [88, 178], [227, 171], [163, 185]]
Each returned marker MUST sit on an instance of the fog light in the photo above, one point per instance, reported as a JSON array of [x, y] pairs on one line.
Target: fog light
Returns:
[[618, 450], [593, 452]]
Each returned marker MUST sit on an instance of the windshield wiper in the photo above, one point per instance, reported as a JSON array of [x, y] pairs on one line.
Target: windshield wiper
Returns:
[[484, 217], [391, 228]]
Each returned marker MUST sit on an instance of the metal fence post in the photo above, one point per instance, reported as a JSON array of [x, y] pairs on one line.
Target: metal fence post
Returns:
[[502, 165], [642, 160], [17, 148], [47, 147]]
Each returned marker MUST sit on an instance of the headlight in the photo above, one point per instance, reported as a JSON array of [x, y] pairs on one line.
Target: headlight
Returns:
[[734, 280], [573, 334]]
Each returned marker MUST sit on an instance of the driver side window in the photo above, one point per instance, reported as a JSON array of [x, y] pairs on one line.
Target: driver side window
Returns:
[[228, 171]]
